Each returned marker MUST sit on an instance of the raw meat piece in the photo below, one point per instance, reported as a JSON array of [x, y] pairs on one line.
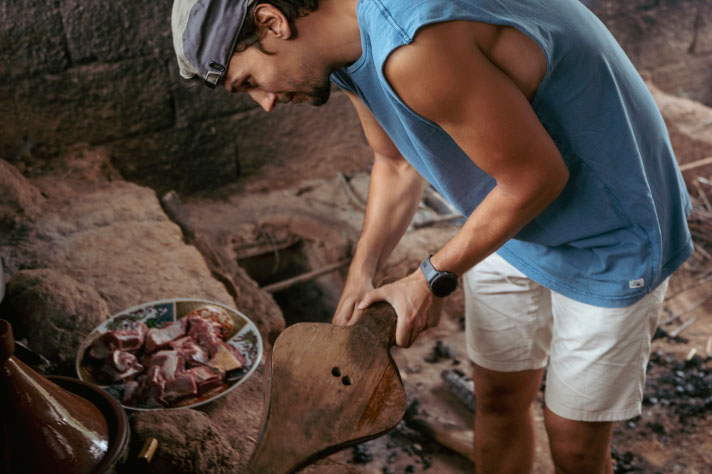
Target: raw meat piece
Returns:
[[170, 363], [129, 338], [182, 359], [99, 350], [160, 338], [120, 365], [193, 353], [154, 388], [205, 333], [216, 315], [207, 377], [227, 358], [129, 396], [181, 386], [122, 360]]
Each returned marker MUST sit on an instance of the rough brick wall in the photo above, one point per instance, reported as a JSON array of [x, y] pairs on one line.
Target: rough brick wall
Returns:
[[103, 72]]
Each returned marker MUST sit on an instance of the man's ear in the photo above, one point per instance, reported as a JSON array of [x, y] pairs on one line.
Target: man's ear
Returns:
[[271, 21]]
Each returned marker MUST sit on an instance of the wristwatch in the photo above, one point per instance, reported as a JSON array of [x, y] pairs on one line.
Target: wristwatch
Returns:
[[441, 283]]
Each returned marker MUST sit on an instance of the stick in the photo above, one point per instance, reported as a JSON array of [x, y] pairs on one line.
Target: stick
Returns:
[[462, 387], [437, 220], [459, 439], [173, 207], [696, 164], [281, 285], [683, 326], [691, 354], [703, 196], [350, 192]]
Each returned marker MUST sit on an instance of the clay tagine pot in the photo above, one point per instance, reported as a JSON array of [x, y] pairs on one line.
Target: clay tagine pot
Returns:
[[54, 427]]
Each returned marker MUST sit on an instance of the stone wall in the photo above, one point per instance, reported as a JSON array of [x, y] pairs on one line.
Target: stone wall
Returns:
[[103, 73]]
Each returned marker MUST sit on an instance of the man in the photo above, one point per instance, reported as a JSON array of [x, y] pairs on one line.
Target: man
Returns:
[[530, 119]]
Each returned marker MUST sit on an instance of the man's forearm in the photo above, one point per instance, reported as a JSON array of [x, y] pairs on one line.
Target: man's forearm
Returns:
[[393, 197], [497, 219]]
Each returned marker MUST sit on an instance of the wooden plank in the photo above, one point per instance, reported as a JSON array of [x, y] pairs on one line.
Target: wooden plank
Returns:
[[329, 387]]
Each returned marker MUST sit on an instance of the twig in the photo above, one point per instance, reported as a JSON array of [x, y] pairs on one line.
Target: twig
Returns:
[[704, 252], [682, 327], [437, 220], [691, 354], [350, 192], [281, 285], [462, 387], [696, 164], [702, 194], [701, 280], [458, 438]]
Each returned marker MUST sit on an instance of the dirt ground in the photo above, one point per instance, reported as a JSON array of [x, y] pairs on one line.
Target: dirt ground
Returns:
[[673, 434]]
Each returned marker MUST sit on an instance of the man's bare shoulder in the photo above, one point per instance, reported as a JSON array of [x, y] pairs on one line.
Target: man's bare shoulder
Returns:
[[444, 57]]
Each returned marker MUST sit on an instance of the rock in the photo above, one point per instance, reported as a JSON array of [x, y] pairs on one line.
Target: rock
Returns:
[[114, 237], [188, 441], [199, 156], [238, 416], [94, 102], [276, 147], [690, 127], [54, 312], [668, 41], [19, 199], [135, 29], [32, 38]]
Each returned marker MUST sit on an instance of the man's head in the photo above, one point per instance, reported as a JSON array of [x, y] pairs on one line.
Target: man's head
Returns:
[[242, 45]]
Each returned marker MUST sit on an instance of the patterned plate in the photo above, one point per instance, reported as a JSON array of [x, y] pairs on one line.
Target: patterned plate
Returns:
[[245, 338]]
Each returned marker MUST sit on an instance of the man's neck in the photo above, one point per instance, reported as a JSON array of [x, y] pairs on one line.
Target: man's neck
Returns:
[[333, 31]]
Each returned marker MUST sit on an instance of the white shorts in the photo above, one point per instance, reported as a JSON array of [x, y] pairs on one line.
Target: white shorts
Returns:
[[596, 356]]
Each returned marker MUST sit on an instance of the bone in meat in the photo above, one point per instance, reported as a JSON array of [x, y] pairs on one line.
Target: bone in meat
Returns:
[[160, 338]]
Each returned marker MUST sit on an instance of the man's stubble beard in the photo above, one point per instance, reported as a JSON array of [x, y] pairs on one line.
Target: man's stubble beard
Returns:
[[319, 95]]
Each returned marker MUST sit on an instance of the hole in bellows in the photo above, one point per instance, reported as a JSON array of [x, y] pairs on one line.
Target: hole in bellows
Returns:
[[346, 380], [336, 372]]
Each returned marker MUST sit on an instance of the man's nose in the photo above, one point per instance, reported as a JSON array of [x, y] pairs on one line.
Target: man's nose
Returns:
[[265, 99]]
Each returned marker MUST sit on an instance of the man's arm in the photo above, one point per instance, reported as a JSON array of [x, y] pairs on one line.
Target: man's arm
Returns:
[[393, 196], [446, 76]]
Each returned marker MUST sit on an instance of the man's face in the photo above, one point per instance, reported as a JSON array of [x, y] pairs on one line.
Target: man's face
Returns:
[[277, 78]]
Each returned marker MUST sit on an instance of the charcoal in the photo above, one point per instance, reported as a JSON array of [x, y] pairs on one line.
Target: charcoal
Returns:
[[361, 454]]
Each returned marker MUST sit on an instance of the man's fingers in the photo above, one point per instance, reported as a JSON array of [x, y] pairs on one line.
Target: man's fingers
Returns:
[[369, 298], [355, 316], [344, 313]]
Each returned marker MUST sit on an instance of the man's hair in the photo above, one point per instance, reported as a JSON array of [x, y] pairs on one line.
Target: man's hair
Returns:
[[292, 10], [249, 34]]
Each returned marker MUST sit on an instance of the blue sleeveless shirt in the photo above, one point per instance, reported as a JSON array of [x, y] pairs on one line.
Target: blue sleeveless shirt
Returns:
[[619, 227]]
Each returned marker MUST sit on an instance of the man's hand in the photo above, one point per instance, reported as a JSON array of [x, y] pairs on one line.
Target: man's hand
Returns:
[[348, 312], [417, 308]]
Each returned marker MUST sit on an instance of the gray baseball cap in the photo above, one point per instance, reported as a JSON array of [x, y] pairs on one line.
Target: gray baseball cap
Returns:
[[204, 36]]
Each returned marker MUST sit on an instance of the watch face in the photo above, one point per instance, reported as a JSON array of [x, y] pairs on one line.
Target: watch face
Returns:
[[443, 284]]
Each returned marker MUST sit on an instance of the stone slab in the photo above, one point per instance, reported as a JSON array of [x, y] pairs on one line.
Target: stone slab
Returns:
[[276, 146], [94, 103], [105, 30], [31, 39], [190, 159]]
